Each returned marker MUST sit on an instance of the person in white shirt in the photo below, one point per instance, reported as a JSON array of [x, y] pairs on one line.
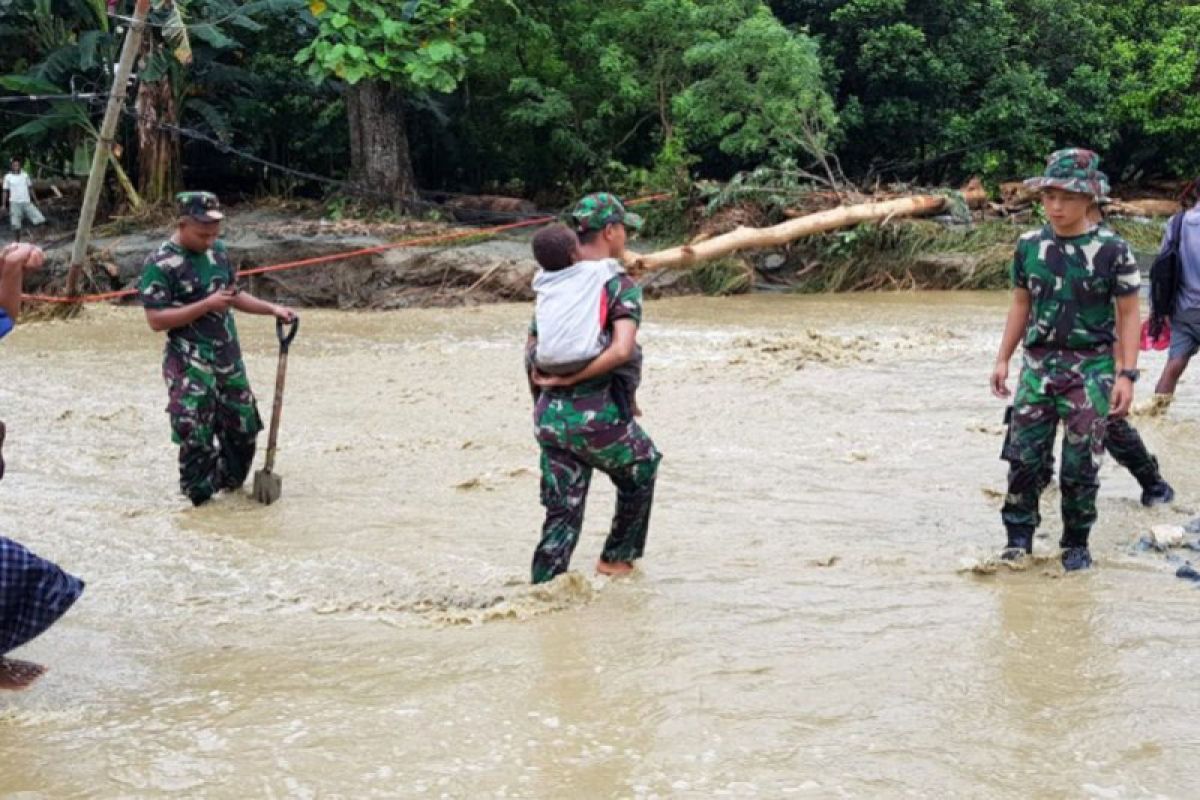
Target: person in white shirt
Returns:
[[19, 200]]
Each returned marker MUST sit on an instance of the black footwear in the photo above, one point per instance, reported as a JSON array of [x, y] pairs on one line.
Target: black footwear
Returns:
[[1020, 538], [1014, 554], [1076, 558], [1157, 494]]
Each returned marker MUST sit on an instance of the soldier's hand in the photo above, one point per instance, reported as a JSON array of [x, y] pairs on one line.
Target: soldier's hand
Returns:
[[1122, 397], [550, 381], [1000, 380], [219, 302], [284, 313]]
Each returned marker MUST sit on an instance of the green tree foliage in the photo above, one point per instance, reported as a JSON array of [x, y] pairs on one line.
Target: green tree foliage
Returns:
[[406, 43], [759, 94], [550, 97]]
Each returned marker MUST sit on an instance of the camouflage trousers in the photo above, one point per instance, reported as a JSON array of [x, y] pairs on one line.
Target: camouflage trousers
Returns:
[[214, 420], [579, 432], [1073, 387], [1125, 445]]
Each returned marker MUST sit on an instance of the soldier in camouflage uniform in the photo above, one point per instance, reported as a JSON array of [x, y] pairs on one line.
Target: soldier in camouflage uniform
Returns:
[[1121, 440], [581, 427], [188, 290], [1074, 288]]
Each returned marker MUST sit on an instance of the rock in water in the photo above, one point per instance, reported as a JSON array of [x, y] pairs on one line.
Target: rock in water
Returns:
[[1166, 536]]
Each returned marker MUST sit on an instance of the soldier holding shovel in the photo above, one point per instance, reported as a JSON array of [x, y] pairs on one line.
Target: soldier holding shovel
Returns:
[[188, 290]]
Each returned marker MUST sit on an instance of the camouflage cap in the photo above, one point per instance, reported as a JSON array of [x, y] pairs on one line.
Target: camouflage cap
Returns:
[[200, 206], [597, 210], [1072, 170], [1105, 187]]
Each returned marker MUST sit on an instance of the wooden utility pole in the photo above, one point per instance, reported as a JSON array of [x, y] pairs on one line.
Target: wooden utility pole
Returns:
[[108, 128]]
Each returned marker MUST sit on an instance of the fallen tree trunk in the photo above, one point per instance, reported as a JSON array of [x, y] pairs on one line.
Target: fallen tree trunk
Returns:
[[744, 238], [1144, 208]]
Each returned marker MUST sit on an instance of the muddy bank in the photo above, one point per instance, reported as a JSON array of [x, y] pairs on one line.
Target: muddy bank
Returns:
[[470, 273], [899, 255]]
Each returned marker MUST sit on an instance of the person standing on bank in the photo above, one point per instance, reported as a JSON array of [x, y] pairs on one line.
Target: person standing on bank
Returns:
[[19, 199], [1074, 300], [580, 423], [188, 289]]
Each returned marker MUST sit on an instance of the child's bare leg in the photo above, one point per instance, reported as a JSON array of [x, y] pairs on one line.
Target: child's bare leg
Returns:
[[16, 675]]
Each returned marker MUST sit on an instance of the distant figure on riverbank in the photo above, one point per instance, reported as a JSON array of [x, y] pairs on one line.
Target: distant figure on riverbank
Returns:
[[579, 424], [34, 593], [1074, 299], [19, 199], [189, 289]]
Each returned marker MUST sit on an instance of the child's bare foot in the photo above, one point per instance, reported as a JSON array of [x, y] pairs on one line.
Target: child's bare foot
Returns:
[[17, 675], [613, 569]]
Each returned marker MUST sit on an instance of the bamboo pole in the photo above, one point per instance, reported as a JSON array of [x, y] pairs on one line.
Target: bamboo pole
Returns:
[[112, 115], [744, 238]]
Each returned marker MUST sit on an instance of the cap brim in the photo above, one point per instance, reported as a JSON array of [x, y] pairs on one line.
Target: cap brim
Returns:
[[207, 216], [634, 221], [1066, 184]]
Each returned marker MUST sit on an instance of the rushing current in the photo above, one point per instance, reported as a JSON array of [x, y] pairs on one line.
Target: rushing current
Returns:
[[806, 622]]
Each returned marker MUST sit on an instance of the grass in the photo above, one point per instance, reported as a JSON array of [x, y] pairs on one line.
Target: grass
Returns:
[[919, 254]]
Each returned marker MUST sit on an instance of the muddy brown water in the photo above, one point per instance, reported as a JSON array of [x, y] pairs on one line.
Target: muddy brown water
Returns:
[[802, 626]]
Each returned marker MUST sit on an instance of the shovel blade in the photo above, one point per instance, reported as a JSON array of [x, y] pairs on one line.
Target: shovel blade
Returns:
[[267, 487]]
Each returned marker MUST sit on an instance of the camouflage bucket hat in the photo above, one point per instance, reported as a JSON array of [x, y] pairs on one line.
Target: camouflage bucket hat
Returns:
[[1072, 170], [595, 211], [200, 206]]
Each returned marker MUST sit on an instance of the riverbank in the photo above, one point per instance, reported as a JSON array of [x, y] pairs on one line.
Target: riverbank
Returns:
[[897, 255]]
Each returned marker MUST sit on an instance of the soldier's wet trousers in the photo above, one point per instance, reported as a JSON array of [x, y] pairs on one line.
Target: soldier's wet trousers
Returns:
[[577, 436], [215, 422], [1078, 395]]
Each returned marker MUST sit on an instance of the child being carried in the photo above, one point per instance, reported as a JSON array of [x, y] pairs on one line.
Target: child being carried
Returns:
[[572, 313]]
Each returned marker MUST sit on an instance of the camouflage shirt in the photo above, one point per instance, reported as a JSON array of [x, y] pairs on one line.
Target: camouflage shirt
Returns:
[[1072, 284], [172, 278], [624, 302]]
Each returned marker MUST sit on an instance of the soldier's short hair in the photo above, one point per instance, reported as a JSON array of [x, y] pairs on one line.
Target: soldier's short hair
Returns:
[[555, 247]]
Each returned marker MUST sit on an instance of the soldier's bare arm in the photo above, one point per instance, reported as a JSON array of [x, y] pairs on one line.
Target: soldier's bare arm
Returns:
[[1129, 326], [252, 305], [1014, 329], [165, 319], [624, 342]]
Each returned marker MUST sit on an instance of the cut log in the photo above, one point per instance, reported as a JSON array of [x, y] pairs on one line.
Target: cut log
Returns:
[[1144, 208], [757, 238], [1016, 195], [975, 195]]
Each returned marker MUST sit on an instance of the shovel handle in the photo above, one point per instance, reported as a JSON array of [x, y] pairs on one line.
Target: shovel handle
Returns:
[[285, 339]]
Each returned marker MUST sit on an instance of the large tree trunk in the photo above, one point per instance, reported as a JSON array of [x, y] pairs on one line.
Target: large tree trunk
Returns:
[[159, 153], [754, 238], [379, 159]]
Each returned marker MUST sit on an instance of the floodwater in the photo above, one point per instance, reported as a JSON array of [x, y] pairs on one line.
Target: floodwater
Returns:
[[805, 623]]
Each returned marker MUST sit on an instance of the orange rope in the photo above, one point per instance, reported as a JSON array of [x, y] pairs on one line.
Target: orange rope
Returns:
[[309, 262]]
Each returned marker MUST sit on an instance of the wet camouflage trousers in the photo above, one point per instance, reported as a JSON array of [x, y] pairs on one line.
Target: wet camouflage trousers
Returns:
[[1073, 387], [214, 420], [580, 432], [1125, 445]]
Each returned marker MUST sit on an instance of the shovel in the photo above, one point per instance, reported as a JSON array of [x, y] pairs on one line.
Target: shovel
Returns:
[[267, 485]]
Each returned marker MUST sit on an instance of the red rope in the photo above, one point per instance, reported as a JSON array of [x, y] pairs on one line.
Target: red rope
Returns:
[[309, 262]]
